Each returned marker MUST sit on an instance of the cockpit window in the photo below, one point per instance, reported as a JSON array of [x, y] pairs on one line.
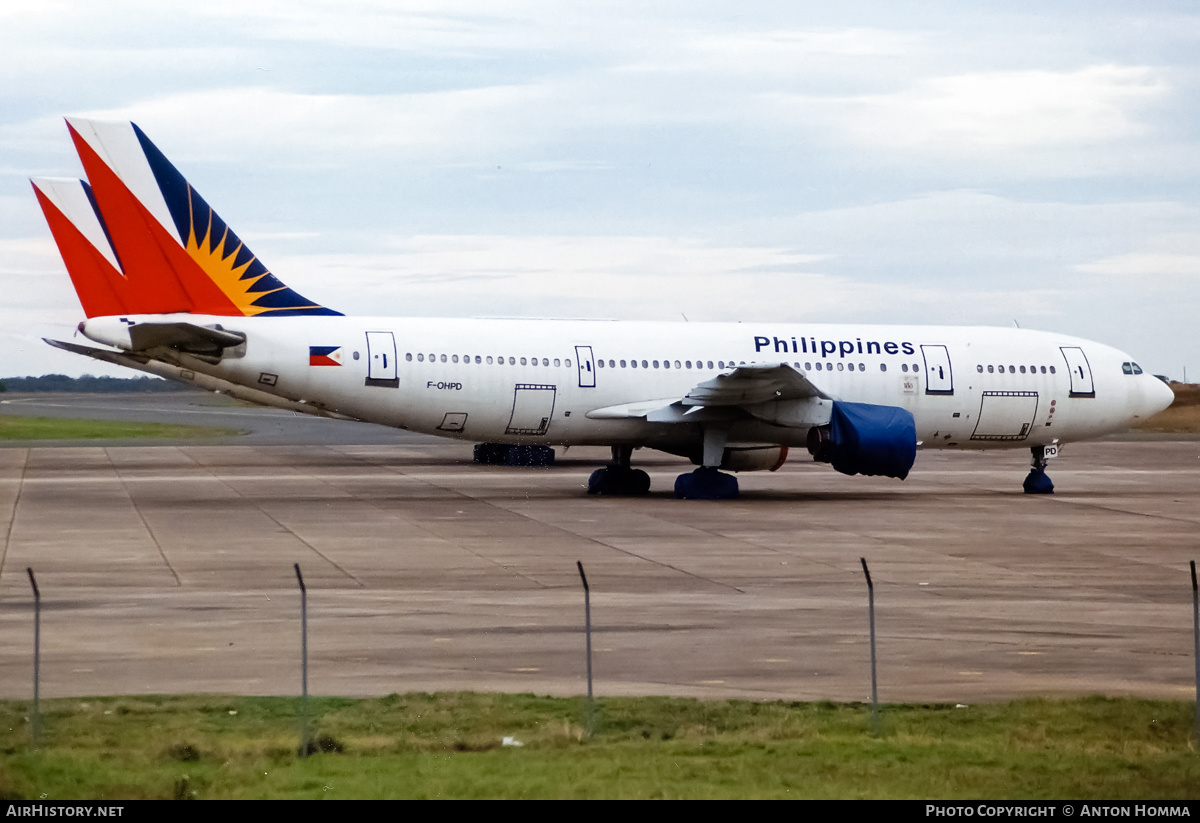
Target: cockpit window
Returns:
[[1137, 369], [1127, 368]]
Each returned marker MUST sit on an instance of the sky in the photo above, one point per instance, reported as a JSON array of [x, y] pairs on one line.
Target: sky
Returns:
[[858, 162]]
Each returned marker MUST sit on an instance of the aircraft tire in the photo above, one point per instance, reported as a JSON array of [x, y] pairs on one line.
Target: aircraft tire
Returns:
[[706, 483], [1036, 482], [619, 482]]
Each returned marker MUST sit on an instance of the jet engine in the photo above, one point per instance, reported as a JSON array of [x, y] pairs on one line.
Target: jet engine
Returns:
[[862, 438]]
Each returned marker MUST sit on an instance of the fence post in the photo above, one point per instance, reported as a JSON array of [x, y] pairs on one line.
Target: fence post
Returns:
[[37, 655], [1196, 642], [303, 662], [874, 680], [587, 624]]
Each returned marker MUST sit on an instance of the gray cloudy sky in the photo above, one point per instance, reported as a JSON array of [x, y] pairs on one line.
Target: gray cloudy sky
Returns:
[[850, 162]]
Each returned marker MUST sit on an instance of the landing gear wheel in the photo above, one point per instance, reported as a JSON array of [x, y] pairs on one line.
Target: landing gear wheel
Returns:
[[1036, 482], [706, 483], [619, 481]]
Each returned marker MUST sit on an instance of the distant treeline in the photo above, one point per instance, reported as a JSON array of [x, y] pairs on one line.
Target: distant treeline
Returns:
[[90, 384]]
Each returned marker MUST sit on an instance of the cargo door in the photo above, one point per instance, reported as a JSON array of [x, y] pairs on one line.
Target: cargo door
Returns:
[[533, 407]]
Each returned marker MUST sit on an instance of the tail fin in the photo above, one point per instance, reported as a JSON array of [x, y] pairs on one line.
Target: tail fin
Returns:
[[140, 239], [86, 246]]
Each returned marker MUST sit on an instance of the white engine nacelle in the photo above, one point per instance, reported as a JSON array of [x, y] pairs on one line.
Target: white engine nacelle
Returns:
[[754, 458]]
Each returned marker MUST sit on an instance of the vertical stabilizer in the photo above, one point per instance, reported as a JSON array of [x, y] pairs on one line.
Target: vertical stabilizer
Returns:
[[138, 238]]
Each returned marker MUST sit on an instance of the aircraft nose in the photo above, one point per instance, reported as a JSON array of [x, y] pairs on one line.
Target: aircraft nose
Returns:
[[1158, 396]]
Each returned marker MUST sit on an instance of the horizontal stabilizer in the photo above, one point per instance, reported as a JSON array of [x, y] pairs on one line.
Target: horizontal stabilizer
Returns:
[[188, 377], [185, 337]]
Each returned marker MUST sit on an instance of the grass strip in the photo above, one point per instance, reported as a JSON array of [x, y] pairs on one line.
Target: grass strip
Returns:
[[54, 428], [450, 745]]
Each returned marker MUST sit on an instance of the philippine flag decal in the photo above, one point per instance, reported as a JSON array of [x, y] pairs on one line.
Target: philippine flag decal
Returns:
[[324, 355]]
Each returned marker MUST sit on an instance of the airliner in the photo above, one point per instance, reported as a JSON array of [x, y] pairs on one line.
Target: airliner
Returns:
[[168, 288]]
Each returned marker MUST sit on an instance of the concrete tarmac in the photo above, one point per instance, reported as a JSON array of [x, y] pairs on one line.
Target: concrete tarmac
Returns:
[[168, 569]]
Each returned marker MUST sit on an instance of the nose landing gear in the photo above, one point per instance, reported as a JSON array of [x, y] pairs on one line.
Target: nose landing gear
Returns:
[[1036, 482]]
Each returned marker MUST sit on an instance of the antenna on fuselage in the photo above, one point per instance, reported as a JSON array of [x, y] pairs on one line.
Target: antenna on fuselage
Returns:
[[1015, 323]]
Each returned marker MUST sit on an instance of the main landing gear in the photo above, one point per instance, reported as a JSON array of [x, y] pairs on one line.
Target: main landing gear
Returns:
[[1036, 482], [708, 482], [619, 479]]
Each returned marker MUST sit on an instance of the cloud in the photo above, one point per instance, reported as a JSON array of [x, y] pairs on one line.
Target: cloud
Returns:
[[1170, 264], [1007, 111]]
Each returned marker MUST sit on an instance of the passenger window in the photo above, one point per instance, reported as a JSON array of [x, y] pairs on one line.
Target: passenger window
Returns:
[[408, 356], [420, 358], [443, 358], [903, 367], [1043, 369], [656, 364], [991, 369], [1022, 370], [1052, 370], [808, 366], [622, 364], [979, 369], [676, 364], [840, 366], [568, 363], [1012, 369], [489, 360], [454, 358], [599, 364], [710, 365], [633, 364], [883, 366], [687, 363], [512, 361], [644, 366]]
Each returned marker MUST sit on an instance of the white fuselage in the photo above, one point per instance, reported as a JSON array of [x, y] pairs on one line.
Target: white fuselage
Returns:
[[537, 381]]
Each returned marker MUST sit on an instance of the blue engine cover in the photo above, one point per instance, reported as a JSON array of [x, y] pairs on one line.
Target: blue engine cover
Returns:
[[872, 440]]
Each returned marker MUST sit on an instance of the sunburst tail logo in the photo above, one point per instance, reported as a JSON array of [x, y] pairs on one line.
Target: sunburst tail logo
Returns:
[[226, 260]]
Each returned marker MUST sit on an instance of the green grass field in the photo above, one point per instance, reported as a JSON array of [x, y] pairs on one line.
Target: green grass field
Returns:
[[52, 428], [450, 746]]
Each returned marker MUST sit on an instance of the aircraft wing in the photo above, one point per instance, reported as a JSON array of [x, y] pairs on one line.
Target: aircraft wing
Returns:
[[749, 385], [770, 391]]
